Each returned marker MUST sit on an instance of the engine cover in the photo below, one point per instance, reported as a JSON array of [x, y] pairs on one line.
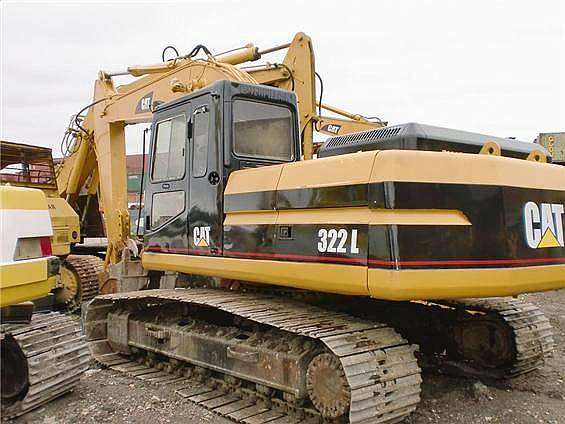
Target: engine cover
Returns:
[[413, 136]]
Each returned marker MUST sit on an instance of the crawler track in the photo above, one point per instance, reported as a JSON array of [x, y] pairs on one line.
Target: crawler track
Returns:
[[380, 370], [56, 356], [495, 338], [86, 269], [530, 332]]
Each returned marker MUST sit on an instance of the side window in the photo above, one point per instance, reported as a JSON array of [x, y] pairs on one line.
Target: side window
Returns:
[[201, 125], [262, 130], [169, 150]]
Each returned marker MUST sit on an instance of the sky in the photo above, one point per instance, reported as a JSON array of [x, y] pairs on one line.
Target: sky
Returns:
[[488, 66]]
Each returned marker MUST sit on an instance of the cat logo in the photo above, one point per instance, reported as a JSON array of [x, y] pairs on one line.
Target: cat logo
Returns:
[[331, 128], [145, 103], [201, 236], [543, 225]]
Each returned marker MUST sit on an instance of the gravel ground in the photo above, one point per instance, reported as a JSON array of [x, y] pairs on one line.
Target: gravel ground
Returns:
[[105, 396]]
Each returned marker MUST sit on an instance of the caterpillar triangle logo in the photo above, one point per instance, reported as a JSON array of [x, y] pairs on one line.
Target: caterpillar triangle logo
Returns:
[[201, 236], [543, 225], [548, 240]]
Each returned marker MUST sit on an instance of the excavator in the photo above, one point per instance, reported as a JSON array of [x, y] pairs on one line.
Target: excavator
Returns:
[[292, 284]]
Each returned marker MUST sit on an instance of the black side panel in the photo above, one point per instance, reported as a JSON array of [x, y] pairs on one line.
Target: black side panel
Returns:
[[496, 238], [254, 201], [305, 243], [323, 197], [309, 198]]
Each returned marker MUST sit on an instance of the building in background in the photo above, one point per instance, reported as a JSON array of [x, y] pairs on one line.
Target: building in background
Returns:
[[134, 164]]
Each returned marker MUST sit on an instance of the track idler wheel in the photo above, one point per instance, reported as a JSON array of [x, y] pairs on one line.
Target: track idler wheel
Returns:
[[327, 386], [78, 280], [14, 370], [68, 292], [486, 341]]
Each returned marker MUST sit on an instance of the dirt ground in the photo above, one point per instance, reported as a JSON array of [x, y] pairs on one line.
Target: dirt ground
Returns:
[[105, 396]]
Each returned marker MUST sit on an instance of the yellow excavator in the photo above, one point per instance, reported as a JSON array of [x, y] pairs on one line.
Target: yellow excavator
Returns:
[[292, 288], [23, 165]]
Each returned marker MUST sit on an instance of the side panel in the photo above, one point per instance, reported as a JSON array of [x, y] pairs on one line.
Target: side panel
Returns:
[[497, 237]]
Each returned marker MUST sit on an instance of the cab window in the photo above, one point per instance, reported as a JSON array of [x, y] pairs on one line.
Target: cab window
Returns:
[[169, 150], [262, 130], [166, 206], [200, 141]]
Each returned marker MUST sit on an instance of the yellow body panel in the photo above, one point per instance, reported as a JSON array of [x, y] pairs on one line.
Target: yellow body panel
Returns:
[[465, 168], [254, 179], [368, 167], [12, 197], [462, 283], [399, 165], [322, 277], [23, 281], [334, 171], [356, 215], [363, 281]]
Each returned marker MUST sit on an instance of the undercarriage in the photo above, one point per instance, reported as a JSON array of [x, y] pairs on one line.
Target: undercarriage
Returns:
[[300, 360], [258, 356]]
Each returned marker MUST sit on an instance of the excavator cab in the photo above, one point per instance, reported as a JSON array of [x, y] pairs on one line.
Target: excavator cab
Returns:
[[197, 141]]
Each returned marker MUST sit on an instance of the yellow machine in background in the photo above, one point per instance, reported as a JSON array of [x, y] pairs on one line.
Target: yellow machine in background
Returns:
[[23, 165], [43, 354], [26, 232]]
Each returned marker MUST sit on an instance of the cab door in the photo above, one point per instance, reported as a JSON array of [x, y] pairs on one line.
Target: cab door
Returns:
[[205, 215], [167, 188]]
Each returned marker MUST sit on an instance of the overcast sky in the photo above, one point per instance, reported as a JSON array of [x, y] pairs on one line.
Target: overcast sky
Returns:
[[496, 67]]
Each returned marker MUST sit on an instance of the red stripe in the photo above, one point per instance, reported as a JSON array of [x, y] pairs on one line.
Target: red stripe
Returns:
[[471, 262], [229, 253], [177, 250], [362, 261]]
